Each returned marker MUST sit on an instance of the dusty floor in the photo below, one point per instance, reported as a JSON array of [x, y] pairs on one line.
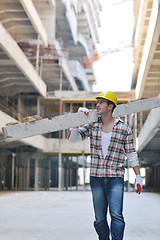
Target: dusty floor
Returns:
[[69, 216]]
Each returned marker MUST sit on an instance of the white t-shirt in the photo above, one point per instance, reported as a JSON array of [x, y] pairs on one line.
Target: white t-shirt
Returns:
[[105, 142]]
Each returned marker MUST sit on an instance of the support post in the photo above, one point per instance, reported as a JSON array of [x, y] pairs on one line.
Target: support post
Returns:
[[70, 159], [38, 107], [20, 108], [28, 172], [84, 172], [13, 166], [36, 176], [60, 172], [77, 174]]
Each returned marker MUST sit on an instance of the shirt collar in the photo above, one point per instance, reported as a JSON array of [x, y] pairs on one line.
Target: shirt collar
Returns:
[[117, 120]]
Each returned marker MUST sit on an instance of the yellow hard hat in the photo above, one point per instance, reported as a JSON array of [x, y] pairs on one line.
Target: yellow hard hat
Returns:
[[108, 96]]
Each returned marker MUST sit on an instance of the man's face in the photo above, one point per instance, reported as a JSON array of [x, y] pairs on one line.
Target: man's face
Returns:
[[102, 106]]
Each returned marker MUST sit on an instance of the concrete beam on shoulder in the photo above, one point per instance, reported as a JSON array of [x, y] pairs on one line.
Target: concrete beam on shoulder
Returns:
[[27, 129]]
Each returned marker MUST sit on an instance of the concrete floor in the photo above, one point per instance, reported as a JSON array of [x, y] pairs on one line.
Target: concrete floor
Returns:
[[69, 216]]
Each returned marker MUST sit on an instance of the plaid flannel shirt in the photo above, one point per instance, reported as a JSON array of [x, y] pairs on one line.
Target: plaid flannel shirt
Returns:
[[121, 143]]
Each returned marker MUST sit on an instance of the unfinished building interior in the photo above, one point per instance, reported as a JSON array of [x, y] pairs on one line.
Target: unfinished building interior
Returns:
[[47, 48]]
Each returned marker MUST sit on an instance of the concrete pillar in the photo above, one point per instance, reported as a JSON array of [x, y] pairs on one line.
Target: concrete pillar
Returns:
[[38, 107], [63, 112], [71, 107], [36, 176], [77, 174], [67, 173], [20, 108], [70, 179], [13, 168], [84, 175], [158, 176], [49, 169], [60, 172], [17, 158], [60, 113], [28, 173], [84, 103]]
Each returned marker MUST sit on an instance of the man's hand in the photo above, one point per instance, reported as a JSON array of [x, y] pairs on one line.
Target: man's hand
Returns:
[[83, 109], [138, 184], [74, 135]]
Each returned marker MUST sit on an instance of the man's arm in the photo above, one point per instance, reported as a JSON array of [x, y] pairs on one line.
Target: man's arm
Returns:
[[138, 181], [133, 161], [76, 135], [137, 170]]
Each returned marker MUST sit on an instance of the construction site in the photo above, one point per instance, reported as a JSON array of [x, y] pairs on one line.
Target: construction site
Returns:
[[47, 52]]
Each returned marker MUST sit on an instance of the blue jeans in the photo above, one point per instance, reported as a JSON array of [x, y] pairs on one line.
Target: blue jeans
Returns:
[[108, 191]]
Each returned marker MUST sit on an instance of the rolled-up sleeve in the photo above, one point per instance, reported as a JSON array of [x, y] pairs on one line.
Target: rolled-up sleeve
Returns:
[[128, 143], [132, 159], [85, 131], [131, 154]]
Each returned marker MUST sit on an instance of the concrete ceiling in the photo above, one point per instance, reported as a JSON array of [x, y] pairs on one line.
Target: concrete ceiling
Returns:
[[146, 74], [15, 20]]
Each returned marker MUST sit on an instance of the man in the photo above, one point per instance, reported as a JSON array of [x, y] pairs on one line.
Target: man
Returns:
[[111, 141]]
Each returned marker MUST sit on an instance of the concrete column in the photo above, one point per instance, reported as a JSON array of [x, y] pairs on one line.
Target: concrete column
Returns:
[[67, 173], [63, 112], [38, 107], [77, 174], [36, 176], [13, 167], [70, 180], [28, 173], [84, 103], [49, 169], [60, 172], [84, 172], [20, 108], [159, 176], [60, 113], [71, 107], [17, 158]]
